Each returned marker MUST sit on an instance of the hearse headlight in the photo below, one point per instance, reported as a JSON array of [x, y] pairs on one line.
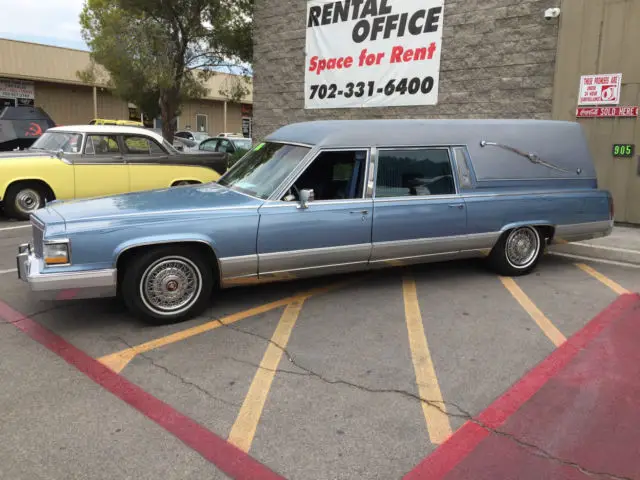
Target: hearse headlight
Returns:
[[56, 253]]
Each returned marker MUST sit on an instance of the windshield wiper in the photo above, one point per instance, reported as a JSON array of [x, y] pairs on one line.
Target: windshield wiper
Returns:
[[532, 157]]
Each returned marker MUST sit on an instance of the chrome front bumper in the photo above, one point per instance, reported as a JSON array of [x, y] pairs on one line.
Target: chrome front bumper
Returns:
[[63, 286]]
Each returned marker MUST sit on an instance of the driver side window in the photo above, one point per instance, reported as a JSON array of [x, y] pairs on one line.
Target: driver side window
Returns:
[[333, 175]]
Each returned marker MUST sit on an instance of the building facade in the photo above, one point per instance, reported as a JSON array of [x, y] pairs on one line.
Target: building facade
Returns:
[[495, 59], [45, 76]]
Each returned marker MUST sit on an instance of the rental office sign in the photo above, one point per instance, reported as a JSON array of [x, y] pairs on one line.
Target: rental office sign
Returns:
[[373, 53]]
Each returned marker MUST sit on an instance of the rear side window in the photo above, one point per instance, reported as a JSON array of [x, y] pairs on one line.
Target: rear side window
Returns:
[[101, 145], [415, 172], [464, 172]]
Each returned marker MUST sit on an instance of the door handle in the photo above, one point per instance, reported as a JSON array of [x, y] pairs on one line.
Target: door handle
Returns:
[[360, 212], [459, 206]]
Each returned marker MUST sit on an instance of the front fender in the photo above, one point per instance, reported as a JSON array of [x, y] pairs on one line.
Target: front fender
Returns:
[[162, 240]]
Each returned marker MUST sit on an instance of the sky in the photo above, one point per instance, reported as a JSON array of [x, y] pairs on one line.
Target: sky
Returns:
[[52, 22]]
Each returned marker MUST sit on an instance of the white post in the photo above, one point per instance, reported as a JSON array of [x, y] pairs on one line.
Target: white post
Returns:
[[95, 102], [224, 121]]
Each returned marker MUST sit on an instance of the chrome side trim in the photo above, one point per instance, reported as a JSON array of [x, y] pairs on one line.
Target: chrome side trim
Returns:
[[534, 179], [480, 195], [281, 203], [428, 258], [421, 247], [270, 263], [244, 266], [582, 231], [314, 271], [417, 198], [538, 193]]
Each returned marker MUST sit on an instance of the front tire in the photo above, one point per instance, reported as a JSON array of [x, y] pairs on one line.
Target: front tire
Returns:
[[517, 252], [167, 284], [22, 199]]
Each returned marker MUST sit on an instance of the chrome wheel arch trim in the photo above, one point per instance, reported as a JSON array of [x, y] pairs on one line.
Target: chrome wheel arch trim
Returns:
[[120, 252]]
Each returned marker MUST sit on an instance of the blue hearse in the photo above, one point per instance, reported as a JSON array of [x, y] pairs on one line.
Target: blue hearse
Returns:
[[324, 197]]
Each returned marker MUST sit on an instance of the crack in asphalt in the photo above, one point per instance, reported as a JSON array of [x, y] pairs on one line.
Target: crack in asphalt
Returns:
[[179, 377], [30, 316], [439, 405]]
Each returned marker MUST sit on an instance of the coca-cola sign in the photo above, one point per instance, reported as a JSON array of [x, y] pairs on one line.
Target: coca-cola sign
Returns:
[[606, 112]]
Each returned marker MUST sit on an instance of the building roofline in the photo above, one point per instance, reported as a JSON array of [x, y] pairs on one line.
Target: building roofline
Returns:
[[13, 68], [44, 45]]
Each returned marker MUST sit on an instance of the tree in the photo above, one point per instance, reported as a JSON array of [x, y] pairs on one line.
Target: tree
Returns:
[[159, 53]]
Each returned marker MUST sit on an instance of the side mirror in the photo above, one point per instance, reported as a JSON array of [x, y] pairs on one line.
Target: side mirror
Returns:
[[60, 154], [306, 196]]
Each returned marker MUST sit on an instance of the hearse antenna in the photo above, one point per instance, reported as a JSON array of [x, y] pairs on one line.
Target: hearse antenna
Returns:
[[532, 157]]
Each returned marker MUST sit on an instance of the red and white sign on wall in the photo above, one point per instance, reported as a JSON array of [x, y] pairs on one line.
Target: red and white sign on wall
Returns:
[[606, 112], [601, 89]]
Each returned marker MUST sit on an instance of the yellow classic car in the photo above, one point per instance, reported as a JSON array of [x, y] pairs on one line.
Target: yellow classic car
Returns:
[[85, 161]]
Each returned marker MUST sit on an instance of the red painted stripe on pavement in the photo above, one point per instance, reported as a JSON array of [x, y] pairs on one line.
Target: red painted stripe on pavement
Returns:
[[228, 458], [437, 465]]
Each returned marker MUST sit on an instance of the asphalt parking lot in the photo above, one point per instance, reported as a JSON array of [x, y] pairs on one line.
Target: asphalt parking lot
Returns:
[[348, 377]]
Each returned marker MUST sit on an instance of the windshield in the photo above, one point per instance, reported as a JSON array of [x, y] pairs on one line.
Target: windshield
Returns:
[[68, 142], [242, 143], [263, 169]]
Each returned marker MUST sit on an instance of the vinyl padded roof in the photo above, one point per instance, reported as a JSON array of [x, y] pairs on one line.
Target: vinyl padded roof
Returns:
[[418, 132], [558, 142]]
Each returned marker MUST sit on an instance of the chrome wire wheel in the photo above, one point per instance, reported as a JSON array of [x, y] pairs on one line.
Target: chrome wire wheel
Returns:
[[522, 247], [28, 200], [170, 285]]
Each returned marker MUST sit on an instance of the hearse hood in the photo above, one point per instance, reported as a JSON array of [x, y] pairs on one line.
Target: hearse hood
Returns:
[[153, 205]]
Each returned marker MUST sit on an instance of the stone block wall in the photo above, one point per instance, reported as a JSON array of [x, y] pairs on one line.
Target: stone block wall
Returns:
[[498, 61]]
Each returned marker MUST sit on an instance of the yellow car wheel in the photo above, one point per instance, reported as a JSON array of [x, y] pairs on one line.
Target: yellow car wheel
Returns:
[[24, 198]]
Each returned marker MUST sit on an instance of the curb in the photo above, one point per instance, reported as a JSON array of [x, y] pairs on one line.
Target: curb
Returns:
[[597, 252]]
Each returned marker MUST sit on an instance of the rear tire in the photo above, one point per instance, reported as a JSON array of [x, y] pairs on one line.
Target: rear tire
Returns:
[[168, 284], [22, 199], [517, 252]]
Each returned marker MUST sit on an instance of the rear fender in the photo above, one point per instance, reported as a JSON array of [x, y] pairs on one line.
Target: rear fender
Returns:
[[530, 223]]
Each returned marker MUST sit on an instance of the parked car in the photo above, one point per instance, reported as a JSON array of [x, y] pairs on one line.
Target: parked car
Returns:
[[230, 145], [106, 121], [21, 126], [195, 136], [328, 197], [229, 134], [84, 161], [185, 145]]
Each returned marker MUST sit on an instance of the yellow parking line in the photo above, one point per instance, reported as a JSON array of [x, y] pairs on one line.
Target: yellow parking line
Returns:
[[118, 360], [620, 290], [244, 428], [534, 312], [437, 420]]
